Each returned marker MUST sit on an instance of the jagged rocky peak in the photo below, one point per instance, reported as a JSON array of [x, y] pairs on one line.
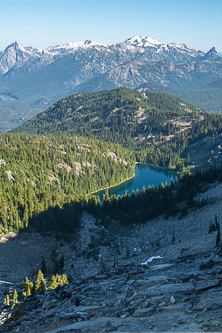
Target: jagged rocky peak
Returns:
[[15, 46], [212, 54], [137, 47], [155, 50], [15, 53]]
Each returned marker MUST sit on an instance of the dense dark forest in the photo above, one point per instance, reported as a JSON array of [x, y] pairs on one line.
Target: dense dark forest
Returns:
[[124, 116]]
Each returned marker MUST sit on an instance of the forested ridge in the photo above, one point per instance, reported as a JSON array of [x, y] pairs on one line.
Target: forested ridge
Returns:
[[120, 115], [159, 127]]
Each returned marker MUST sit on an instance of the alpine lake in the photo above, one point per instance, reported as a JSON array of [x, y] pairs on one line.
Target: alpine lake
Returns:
[[145, 175]]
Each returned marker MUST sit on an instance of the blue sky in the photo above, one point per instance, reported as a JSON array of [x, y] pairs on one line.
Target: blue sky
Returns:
[[43, 23]]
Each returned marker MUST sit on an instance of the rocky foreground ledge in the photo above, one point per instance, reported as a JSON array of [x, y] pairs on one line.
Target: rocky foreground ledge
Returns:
[[181, 295]]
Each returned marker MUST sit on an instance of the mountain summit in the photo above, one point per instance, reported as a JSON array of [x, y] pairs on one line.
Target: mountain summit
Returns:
[[211, 55], [142, 41], [16, 53], [72, 47]]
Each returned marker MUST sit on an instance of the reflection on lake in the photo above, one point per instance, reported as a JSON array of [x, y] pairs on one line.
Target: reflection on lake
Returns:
[[145, 175]]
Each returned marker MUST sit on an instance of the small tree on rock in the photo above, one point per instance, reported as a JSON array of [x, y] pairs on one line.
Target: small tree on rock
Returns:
[[40, 282], [53, 283], [28, 287], [15, 296]]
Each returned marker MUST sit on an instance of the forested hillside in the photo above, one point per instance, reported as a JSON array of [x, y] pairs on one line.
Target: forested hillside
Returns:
[[39, 173], [158, 126], [115, 115]]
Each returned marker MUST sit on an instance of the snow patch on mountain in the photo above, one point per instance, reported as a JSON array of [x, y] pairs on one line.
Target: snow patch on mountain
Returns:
[[70, 47], [146, 48], [17, 55], [140, 41]]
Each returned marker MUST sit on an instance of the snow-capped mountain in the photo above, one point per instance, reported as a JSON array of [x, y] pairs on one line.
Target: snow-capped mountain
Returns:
[[140, 41], [17, 55], [147, 42], [156, 51]]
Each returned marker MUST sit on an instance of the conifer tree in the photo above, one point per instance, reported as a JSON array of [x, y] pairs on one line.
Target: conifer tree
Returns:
[[29, 291], [27, 287], [218, 239], [61, 264], [15, 296], [7, 301], [65, 279], [40, 282], [53, 283]]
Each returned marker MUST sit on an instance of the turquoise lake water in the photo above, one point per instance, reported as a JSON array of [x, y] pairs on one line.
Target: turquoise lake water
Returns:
[[145, 175]]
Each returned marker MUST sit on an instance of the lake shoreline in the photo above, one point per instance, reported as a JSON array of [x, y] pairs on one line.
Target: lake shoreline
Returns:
[[157, 166], [108, 187]]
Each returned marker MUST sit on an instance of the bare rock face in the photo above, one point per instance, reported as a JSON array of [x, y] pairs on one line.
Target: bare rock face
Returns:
[[16, 54], [162, 300]]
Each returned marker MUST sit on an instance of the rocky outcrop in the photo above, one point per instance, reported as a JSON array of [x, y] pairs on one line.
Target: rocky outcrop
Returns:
[[174, 295]]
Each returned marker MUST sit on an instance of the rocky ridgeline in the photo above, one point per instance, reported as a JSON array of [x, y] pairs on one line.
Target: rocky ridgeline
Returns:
[[176, 295]]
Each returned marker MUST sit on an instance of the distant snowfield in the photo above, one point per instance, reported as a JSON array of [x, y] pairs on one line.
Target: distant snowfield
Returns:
[[6, 97]]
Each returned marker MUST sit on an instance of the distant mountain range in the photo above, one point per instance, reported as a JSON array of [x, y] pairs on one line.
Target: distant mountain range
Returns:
[[32, 79], [16, 55]]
